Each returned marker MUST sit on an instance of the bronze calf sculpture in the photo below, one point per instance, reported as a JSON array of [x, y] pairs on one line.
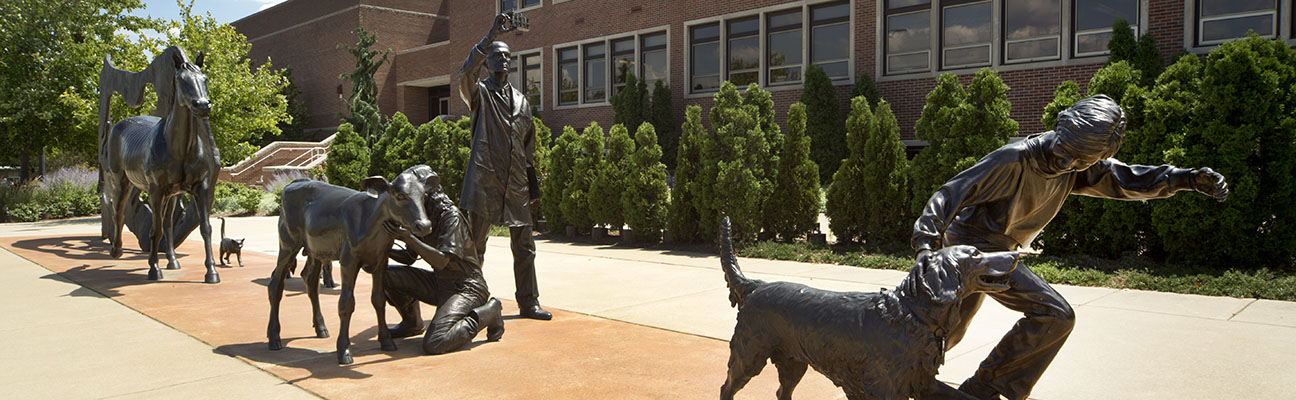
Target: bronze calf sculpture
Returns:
[[330, 222], [164, 156], [885, 345]]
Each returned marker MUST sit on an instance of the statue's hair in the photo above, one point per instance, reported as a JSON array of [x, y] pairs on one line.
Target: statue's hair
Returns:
[[1093, 125]]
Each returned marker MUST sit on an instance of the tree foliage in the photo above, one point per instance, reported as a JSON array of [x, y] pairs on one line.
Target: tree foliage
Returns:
[[684, 223], [794, 211], [362, 102], [885, 189], [295, 128], [560, 164], [348, 158], [630, 105], [960, 126], [609, 184], [663, 120], [576, 196], [395, 150], [645, 200], [543, 146], [823, 122], [847, 216], [738, 168], [1140, 53], [864, 86]]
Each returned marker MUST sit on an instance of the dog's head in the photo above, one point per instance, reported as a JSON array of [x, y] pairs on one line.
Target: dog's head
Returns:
[[945, 277]]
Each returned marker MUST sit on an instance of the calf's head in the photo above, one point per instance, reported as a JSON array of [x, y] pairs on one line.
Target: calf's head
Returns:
[[401, 200]]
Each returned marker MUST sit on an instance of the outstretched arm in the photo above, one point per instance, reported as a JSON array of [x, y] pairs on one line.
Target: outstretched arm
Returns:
[[1113, 179], [472, 66]]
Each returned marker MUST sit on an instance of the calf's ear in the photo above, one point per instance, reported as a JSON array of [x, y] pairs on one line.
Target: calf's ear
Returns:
[[375, 185]]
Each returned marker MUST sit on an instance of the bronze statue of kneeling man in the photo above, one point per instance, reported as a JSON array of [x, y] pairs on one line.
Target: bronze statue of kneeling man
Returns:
[[455, 284]]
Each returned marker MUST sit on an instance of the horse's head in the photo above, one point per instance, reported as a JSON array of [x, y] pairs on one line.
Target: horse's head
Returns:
[[191, 85]]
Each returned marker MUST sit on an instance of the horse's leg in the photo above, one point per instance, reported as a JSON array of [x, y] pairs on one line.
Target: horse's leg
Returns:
[[156, 201], [120, 188], [379, 299], [346, 305], [287, 262], [168, 231], [310, 276], [203, 197]]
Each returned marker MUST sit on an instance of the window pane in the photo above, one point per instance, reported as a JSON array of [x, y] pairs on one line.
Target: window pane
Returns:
[[568, 89], [1221, 7], [706, 66], [908, 32], [622, 66], [785, 20], [829, 13], [514, 77], [1093, 42], [967, 56], [654, 41], [530, 3], [908, 62], [1033, 49], [1032, 18], [623, 46], [742, 27], [507, 5], [1223, 29], [785, 48], [594, 50], [744, 59], [836, 70], [830, 42], [785, 75], [654, 66], [706, 32], [966, 24], [1101, 14], [894, 4], [595, 78]]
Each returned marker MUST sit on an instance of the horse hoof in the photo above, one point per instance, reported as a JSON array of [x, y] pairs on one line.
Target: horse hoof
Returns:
[[276, 344], [154, 274], [211, 278], [322, 333], [344, 357], [115, 252], [173, 266]]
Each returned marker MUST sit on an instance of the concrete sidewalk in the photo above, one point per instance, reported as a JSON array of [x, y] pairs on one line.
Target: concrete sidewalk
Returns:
[[1126, 344]]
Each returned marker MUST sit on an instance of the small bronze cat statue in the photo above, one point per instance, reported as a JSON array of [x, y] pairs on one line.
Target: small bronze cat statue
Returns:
[[230, 246]]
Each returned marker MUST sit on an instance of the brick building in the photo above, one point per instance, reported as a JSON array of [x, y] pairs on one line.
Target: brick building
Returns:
[[572, 60]]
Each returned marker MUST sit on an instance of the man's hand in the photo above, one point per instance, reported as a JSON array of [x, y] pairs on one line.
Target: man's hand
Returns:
[[398, 231], [503, 23], [1210, 183]]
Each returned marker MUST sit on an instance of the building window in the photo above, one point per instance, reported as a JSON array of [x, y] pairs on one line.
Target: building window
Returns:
[[1032, 30], [1094, 20], [513, 5], [653, 52], [524, 75], [1221, 20], [830, 46], [965, 35], [908, 38], [783, 47], [704, 48], [569, 75], [594, 74], [743, 51], [623, 62]]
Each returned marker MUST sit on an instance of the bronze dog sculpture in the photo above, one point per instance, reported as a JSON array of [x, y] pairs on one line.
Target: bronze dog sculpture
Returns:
[[885, 345], [330, 222], [165, 155]]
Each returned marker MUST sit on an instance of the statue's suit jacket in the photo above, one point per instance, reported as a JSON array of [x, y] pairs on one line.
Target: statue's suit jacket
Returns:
[[503, 147]]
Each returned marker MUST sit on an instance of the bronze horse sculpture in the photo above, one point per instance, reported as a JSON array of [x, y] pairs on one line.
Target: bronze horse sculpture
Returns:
[[166, 154]]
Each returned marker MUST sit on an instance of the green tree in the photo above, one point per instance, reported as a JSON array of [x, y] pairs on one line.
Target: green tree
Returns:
[[609, 184], [1066, 95], [739, 167], [49, 72], [455, 162], [348, 158], [823, 122], [960, 126], [543, 146], [630, 105], [864, 86], [362, 102], [395, 151], [646, 200], [794, 212], [847, 216], [576, 196], [246, 102], [560, 163], [1141, 53], [886, 180], [685, 217], [293, 129], [663, 120]]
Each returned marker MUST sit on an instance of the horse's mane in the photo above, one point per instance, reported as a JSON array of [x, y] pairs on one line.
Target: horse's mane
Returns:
[[131, 86]]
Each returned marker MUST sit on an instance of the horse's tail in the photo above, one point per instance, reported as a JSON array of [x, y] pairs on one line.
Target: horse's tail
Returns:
[[739, 285]]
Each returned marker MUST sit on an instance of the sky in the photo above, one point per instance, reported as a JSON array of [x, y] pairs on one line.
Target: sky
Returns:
[[225, 11]]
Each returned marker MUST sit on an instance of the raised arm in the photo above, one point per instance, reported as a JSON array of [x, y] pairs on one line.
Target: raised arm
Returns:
[[471, 68], [1113, 179]]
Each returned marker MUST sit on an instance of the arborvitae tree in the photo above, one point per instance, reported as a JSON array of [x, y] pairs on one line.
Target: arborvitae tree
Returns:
[[740, 163], [630, 105], [559, 175], [646, 197], [960, 127], [663, 119], [576, 196], [1244, 127], [847, 217], [823, 122], [1142, 54], [362, 103], [684, 215], [794, 212], [348, 158], [543, 146], [1066, 95], [394, 152], [886, 177], [605, 192], [864, 86]]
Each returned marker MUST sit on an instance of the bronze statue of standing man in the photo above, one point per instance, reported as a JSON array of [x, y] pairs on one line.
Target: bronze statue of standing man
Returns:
[[1003, 202], [498, 184]]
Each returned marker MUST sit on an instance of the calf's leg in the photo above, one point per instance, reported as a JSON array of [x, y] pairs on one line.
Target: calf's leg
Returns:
[[346, 306]]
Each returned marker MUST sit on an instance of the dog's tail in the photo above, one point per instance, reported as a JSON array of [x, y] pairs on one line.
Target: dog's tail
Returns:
[[739, 285]]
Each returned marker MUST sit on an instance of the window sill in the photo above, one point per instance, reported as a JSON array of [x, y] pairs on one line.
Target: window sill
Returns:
[[580, 106], [1087, 60]]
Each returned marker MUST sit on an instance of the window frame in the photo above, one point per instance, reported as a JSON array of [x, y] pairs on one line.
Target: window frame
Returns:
[[730, 37], [614, 56], [808, 36], [693, 43], [518, 6], [989, 45], [1057, 38], [886, 30], [586, 66], [581, 61], [643, 48], [1198, 23], [768, 53], [1136, 25]]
